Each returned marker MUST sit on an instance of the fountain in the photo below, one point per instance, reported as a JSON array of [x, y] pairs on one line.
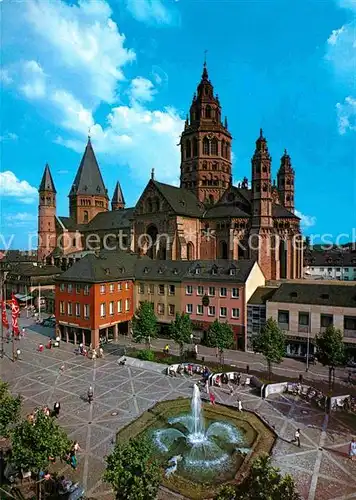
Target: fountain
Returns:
[[206, 448]]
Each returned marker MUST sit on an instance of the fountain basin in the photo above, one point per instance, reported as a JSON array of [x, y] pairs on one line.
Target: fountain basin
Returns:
[[195, 482]]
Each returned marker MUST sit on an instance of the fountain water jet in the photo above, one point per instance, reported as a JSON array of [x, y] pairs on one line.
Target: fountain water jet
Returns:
[[202, 448]]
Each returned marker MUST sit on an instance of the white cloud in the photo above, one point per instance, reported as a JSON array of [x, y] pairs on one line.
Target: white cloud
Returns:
[[11, 186], [8, 136], [5, 77], [306, 221], [86, 41], [151, 11], [142, 90], [20, 219], [346, 113], [35, 78]]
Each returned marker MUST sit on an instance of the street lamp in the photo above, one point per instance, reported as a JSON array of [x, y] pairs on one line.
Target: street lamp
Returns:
[[308, 342]]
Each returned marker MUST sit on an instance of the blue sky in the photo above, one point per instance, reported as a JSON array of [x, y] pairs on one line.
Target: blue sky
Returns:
[[128, 69]]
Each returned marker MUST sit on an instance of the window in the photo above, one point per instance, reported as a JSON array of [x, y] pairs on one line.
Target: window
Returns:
[[160, 308], [235, 312], [326, 320], [119, 287], [111, 288], [86, 311], [188, 290], [172, 290], [189, 308], [141, 288], [200, 290], [235, 293], [111, 308], [77, 288], [223, 292], [200, 309], [211, 291], [119, 306], [338, 269], [77, 309], [161, 289], [197, 270], [350, 323], [214, 147], [223, 312], [86, 290], [171, 309], [151, 288], [321, 269], [102, 289], [62, 287], [70, 311], [233, 270], [206, 146], [211, 311], [127, 305], [346, 269], [283, 318], [303, 319], [86, 216], [103, 310], [61, 307], [127, 286], [70, 288]]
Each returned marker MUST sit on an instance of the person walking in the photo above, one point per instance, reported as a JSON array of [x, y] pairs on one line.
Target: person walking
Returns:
[[238, 379], [352, 449], [212, 399], [349, 379], [297, 437], [239, 405], [90, 394], [56, 408]]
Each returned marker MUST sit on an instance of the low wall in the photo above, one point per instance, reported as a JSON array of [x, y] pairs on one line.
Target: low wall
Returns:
[[338, 401], [274, 388], [145, 365]]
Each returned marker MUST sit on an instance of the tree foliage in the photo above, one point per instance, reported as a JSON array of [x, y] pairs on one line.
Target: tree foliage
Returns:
[[270, 342], [181, 330], [33, 443], [264, 482], [144, 323], [10, 408], [330, 349], [132, 472], [220, 335]]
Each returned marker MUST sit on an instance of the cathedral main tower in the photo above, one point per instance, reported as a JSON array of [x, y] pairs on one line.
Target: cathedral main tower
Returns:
[[206, 146]]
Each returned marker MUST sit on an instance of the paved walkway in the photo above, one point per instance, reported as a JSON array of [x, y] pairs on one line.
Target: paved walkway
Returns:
[[321, 467]]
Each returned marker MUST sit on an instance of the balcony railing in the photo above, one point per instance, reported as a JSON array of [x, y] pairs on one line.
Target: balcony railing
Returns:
[[283, 326], [350, 333]]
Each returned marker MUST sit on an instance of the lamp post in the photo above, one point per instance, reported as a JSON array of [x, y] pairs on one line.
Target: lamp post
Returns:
[[308, 342]]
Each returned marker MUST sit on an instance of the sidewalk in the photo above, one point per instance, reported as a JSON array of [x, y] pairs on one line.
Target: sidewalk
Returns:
[[289, 367]]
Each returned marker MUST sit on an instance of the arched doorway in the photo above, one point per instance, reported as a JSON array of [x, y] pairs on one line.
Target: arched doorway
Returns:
[[152, 233], [223, 250], [190, 251]]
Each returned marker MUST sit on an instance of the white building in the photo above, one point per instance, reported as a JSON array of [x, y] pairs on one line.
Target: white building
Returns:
[[332, 265]]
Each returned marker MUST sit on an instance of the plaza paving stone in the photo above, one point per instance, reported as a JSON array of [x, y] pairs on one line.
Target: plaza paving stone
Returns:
[[121, 393]]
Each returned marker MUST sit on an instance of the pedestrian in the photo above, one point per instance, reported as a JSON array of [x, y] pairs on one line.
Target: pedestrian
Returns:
[[238, 379], [18, 352], [352, 449], [297, 437], [247, 369], [40, 348], [101, 352], [81, 347], [349, 379], [90, 394], [231, 389], [23, 333], [300, 378], [76, 447], [196, 351], [207, 388], [212, 399], [56, 408], [239, 405], [73, 460]]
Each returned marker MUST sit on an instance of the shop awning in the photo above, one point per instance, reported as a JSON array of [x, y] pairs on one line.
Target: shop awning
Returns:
[[23, 298]]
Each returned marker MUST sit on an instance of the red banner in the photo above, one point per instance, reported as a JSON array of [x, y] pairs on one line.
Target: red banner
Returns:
[[15, 313], [5, 321]]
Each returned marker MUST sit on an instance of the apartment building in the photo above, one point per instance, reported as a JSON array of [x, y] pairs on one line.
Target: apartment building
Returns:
[[303, 310], [95, 297], [331, 265]]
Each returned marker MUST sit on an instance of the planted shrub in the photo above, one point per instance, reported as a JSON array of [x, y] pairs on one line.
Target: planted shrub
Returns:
[[146, 355]]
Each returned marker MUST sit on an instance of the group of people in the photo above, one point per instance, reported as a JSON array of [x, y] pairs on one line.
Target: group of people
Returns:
[[31, 417], [91, 353]]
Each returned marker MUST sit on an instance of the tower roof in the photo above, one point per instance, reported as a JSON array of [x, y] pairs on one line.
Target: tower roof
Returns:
[[118, 196], [286, 164], [261, 146], [88, 180], [47, 183]]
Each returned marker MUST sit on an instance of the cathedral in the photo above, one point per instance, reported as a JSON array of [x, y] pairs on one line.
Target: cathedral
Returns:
[[207, 217]]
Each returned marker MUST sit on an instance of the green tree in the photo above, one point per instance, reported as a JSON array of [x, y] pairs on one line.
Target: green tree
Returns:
[[144, 324], [181, 330], [270, 342], [10, 408], [264, 482], [132, 472], [220, 335], [330, 349], [34, 443]]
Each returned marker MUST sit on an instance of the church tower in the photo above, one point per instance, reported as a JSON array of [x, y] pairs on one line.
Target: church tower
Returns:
[[206, 146], [88, 195], [118, 200], [46, 215], [261, 185], [285, 182]]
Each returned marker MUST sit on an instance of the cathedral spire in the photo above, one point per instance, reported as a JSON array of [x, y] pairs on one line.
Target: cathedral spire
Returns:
[[118, 200], [47, 183]]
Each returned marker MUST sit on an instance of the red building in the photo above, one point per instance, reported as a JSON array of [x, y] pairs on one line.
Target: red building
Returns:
[[94, 298]]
